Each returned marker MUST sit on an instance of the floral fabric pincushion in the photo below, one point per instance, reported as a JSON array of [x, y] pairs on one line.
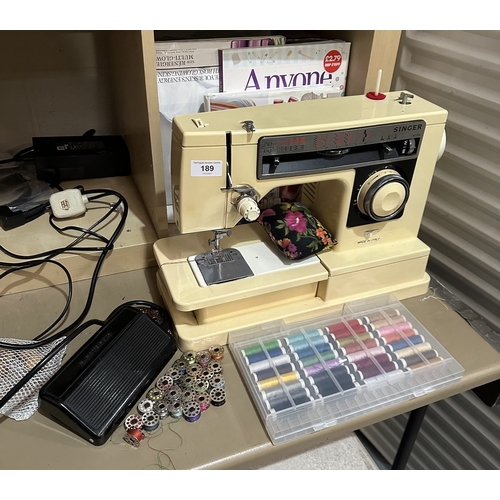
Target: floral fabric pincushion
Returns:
[[295, 231]]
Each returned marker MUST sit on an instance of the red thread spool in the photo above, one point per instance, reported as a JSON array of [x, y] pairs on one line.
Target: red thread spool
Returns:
[[134, 437]]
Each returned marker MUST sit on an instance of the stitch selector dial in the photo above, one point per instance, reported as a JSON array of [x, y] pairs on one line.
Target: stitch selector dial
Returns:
[[383, 195]]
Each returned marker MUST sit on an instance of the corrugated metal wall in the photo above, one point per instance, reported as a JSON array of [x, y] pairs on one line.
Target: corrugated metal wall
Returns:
[[460, 71]]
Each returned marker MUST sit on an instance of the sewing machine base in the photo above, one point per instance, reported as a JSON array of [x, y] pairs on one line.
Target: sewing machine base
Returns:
[[297, 304]]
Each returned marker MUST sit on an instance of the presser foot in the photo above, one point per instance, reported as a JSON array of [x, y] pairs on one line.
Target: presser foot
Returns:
[[222, 265]]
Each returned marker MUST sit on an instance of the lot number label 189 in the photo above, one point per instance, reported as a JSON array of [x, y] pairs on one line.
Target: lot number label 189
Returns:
[[203, 168]]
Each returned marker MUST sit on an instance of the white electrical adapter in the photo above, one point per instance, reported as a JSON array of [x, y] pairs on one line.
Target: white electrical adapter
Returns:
[[68, 203]]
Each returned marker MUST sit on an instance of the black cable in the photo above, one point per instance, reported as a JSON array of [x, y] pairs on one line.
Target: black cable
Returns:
[[46, 256], [19, 156]]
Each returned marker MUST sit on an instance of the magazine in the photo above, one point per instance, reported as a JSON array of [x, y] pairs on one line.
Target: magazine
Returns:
[[254, 69], [231, 100], [185, 71]]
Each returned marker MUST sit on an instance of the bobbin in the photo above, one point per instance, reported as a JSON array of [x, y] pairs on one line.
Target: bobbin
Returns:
[[215, 366], [193, 370], [164, 383], [192, 412], [144, 406], [188, 395], [155, 394], [150, 421], [173, 394], [187, 381], [216, 351], [189, 357], [175, 409], [133, 437], [203, 358], [181, 365], [217, 396], [206, 374], [133, 422], [217, 381], [201, 386], [161, 409], [175, 373], [203, 399]]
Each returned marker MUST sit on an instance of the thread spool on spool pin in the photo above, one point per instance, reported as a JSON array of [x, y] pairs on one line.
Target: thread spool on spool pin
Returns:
[[377, 95]]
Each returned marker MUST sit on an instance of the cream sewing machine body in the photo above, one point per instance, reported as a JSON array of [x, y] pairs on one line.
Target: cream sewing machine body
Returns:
[[365, 167]]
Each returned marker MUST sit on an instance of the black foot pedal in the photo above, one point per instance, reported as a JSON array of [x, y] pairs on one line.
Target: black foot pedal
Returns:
[[95, 389]]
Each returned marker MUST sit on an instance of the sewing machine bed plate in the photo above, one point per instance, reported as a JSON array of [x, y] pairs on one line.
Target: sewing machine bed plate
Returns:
[[261, 259]]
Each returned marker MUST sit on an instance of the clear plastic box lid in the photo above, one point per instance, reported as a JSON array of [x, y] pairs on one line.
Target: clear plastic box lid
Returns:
[[307, 376]]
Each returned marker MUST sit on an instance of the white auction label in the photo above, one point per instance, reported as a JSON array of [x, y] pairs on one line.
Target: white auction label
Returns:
[[202, 168]]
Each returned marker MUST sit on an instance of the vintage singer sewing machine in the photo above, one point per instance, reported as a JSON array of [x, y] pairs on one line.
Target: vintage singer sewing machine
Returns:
[[366, 167]]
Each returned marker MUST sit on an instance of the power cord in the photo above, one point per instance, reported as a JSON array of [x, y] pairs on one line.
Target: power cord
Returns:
[[120, 206]]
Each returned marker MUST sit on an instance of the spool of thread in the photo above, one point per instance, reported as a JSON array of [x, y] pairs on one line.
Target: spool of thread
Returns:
[[421, 357], [391, 337], [164, 383], [215, 366], [320, 332], [133, 437], [271, 372], [283, 389], [203, 399], [309, 351], [150, 421], [161, 409], [217, 382], [305, 344], [175, 408], [217, 397], [253, 349], [323, 356], [191, 412], [283, 402], [216, 352], [403, 343], [280, 360], [133, 422], [374, 351], [181, 365], [144, 406], [274, 381], [410, 351], [319, 367], [347, 332], [264, 355], [368, 344]]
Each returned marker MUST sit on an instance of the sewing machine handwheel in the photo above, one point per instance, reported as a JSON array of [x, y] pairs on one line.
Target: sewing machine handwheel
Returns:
[[383, 195]]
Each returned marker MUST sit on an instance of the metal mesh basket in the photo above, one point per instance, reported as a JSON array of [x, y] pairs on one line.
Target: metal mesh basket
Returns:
[[14, 365]]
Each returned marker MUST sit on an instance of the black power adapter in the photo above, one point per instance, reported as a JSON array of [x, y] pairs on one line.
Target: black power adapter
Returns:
[[80, 157]]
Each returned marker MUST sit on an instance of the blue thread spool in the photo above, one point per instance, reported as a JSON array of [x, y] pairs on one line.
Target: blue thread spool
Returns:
[[262, 355], [280, 403], [192, 412], [401, 344], [308, 351]]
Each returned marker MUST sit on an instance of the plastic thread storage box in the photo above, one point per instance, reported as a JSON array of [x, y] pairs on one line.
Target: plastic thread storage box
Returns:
[[307, 376]]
